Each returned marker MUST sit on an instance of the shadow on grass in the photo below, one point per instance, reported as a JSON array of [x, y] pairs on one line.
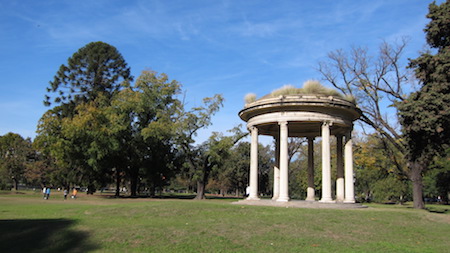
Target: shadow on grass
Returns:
[[149, 197], [171, 196], [437, 210], [11, 192], [45, 235]]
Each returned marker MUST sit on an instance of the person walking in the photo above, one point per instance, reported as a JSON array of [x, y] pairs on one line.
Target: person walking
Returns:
[[44, 191], [74, 193], [65, 193], [47, 191]]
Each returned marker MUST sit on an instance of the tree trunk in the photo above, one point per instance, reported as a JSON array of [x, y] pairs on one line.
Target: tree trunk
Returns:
[[202, 182], [200, 190], [117, 183], [133, 186], [16, 184], [152, 190], [415, 175], [134, 182]]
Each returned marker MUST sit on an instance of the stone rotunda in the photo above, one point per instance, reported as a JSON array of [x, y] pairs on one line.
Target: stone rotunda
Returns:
[[310, 116]]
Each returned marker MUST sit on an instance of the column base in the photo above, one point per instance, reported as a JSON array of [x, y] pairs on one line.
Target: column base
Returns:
[[349, 201], [311, 194], [282, 199], [274, 197], [327, 201], [253, 198]]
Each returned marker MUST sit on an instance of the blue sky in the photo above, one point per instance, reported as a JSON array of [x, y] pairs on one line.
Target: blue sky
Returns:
[[226, 47]]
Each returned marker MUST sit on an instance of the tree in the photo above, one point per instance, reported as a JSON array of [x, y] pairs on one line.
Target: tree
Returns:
[[439, 176], [15, 153], [198, 163], [97, 68], [148, 113], [51, 143], [266, 162], [377, 178], [236, 167], [377, 84], [425, 115], [75, 131], [41, 170]]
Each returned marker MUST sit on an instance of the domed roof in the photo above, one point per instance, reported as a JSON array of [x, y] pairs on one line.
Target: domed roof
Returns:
[[305, 112]]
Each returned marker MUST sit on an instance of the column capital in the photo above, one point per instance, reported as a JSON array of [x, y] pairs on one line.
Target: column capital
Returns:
[[284, 122], [252, 128], [348, 135], [328, 123]]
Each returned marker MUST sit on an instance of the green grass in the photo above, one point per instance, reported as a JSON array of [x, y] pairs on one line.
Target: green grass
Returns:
[[98, 224]]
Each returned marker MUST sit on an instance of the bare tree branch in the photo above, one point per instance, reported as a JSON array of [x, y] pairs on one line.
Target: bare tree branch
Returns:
[[375, 82]]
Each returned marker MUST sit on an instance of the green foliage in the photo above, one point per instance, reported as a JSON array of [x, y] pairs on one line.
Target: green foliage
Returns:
[[265, 167], [146, 115], [200, 159], [438, 29], [231, 176], [97, 68], [425, 114], [15, 153], [390, 189], [77, 133], [131, 132], [378, 178], [236, 168], [437, 178]]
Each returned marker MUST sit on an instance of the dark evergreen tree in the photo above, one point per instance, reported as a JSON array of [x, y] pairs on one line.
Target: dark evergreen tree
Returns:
[[95, 68], [425, 115]]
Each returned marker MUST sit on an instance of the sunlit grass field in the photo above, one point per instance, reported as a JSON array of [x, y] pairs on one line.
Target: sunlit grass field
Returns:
[[98, 223]]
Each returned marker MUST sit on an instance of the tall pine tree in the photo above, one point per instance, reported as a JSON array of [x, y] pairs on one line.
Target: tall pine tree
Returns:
[[97, 68], [425, 115]]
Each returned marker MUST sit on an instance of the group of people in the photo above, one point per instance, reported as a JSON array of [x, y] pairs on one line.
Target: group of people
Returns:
[[47, 190]]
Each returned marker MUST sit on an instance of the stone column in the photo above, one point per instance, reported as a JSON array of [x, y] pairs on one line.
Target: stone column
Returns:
[[349, 187], [340, 170], [284, 190], [276, 169], [326, 164], [311, 196], [254, 165]]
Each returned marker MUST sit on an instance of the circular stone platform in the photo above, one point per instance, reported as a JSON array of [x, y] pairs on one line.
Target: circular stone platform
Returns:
[[299, 204]]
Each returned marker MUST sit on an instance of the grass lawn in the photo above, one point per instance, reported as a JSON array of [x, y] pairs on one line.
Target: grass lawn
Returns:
[[98, 224]]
